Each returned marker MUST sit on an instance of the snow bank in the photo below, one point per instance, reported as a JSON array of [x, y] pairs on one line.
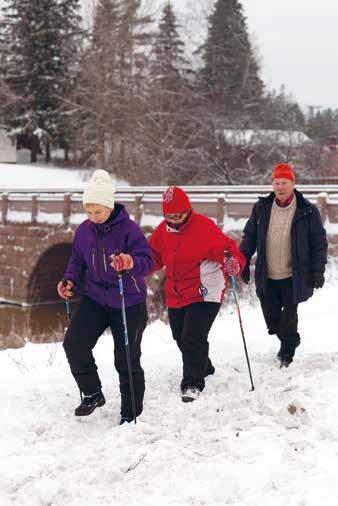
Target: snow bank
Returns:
[[271, 447]]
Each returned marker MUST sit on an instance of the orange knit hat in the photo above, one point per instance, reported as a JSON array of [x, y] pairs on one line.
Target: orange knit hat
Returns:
[[284, 171]]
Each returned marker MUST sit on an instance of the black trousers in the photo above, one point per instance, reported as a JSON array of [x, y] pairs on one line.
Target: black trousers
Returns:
[[279, 312], [190, 326], [85, 328]]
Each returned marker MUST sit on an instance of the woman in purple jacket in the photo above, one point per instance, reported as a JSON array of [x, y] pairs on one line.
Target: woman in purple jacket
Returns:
[[106, 243]]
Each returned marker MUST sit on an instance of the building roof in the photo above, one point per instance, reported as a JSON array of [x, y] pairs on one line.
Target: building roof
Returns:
[[291, 138]]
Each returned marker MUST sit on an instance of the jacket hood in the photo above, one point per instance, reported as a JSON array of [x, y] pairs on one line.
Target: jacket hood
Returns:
[[118, 215]]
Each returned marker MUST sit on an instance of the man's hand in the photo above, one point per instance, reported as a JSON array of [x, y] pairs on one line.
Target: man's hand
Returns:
[[317, 279], [65, 289], [245, 276], [121, 262]]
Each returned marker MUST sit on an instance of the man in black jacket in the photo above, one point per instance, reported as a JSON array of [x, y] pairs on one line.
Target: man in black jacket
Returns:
[[287, 232]]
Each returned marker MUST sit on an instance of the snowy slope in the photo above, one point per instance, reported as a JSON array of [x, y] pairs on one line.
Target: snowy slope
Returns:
[[43, 176], [275, 446]]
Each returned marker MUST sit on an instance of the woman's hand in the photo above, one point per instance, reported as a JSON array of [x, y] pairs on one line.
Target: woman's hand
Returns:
[[231, 266], [65, 289], [121, 262]]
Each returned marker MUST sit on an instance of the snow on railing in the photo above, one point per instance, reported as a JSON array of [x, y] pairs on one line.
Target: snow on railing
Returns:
[[220, 202]]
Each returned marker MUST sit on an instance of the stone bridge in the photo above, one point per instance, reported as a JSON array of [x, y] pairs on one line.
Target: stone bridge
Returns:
[[36, 228]]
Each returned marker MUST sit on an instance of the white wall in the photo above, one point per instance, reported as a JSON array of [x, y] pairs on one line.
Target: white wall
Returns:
[[7, 148]]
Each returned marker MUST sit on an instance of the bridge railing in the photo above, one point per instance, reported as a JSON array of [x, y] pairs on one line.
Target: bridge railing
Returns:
[[65, 206]]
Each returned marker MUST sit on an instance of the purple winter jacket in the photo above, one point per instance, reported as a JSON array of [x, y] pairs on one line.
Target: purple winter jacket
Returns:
[[92, 246]]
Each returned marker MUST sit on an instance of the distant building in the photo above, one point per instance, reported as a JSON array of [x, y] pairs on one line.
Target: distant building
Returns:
[[257, 150], [329, 157], [7, 148], [291, 139]]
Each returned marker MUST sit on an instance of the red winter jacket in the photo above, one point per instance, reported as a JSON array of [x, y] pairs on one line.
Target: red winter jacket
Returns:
[[193, 257]]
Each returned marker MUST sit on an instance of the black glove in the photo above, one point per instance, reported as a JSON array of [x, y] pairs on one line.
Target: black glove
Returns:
[[245, 276], [317, 279]]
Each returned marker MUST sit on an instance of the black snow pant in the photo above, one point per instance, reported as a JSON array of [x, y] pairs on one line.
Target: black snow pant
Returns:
[[280, 313], [190, 326], [85, 328]]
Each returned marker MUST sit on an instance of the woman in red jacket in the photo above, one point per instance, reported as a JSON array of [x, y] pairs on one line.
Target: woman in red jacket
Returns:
[[197, 257]]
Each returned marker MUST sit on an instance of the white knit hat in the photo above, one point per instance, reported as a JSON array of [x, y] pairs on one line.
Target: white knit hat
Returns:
[[99, 190]]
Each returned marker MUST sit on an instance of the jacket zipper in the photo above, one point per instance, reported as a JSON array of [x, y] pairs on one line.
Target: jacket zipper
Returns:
[[104, 259], [294, 247], [100, 243], [135, 282], [93, 259], [174, 265]]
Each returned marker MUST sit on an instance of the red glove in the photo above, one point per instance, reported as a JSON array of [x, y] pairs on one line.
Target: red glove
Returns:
[[121, 262], [65, 289], [231, 266]]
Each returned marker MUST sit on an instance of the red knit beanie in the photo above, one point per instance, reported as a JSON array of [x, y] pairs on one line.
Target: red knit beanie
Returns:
[[284, 171], [175, 200]]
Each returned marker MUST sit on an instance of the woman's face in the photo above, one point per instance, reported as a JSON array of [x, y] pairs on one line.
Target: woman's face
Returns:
[[176, 218], [97, 213]]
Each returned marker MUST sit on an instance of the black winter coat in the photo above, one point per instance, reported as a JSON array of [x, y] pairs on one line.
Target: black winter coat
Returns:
[[308, 244]]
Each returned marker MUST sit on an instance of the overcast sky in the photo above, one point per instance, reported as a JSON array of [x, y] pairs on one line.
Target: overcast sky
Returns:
[[298, 40]]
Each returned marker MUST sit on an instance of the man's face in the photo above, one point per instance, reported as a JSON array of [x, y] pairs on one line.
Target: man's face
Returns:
[[97, 213], [283, 188]]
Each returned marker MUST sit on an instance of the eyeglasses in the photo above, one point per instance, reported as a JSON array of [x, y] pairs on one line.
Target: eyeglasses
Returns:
[[174, 216]]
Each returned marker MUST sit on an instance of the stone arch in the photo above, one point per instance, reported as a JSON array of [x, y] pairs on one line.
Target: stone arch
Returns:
[[47, 273]]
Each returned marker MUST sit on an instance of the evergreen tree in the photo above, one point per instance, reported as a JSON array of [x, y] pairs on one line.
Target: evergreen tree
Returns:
[[99, 88], [168, 129], [40, 41], [282, 112], [322, 124], [230, 72], [169, 66], [112, 84]]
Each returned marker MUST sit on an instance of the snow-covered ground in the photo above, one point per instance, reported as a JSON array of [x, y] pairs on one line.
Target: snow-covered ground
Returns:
[[43, 176], [275, 446]]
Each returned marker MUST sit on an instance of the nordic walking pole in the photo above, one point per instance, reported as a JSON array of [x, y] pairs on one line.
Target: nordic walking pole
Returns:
[[68, 309], [67, 302], [69, 314], [233, 283], [126, 342]]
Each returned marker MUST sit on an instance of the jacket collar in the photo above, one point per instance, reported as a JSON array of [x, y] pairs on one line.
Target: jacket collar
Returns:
[[182, 227], [302, 203], [118, 215]]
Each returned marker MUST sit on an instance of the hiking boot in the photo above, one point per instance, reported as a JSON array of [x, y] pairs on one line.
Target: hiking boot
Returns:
[[210, 370], [190, 394], [125, 420], [287, 352], [90, 403], [285, 362]]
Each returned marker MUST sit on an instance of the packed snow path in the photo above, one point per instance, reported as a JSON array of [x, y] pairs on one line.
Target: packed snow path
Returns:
[[275, 446]]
